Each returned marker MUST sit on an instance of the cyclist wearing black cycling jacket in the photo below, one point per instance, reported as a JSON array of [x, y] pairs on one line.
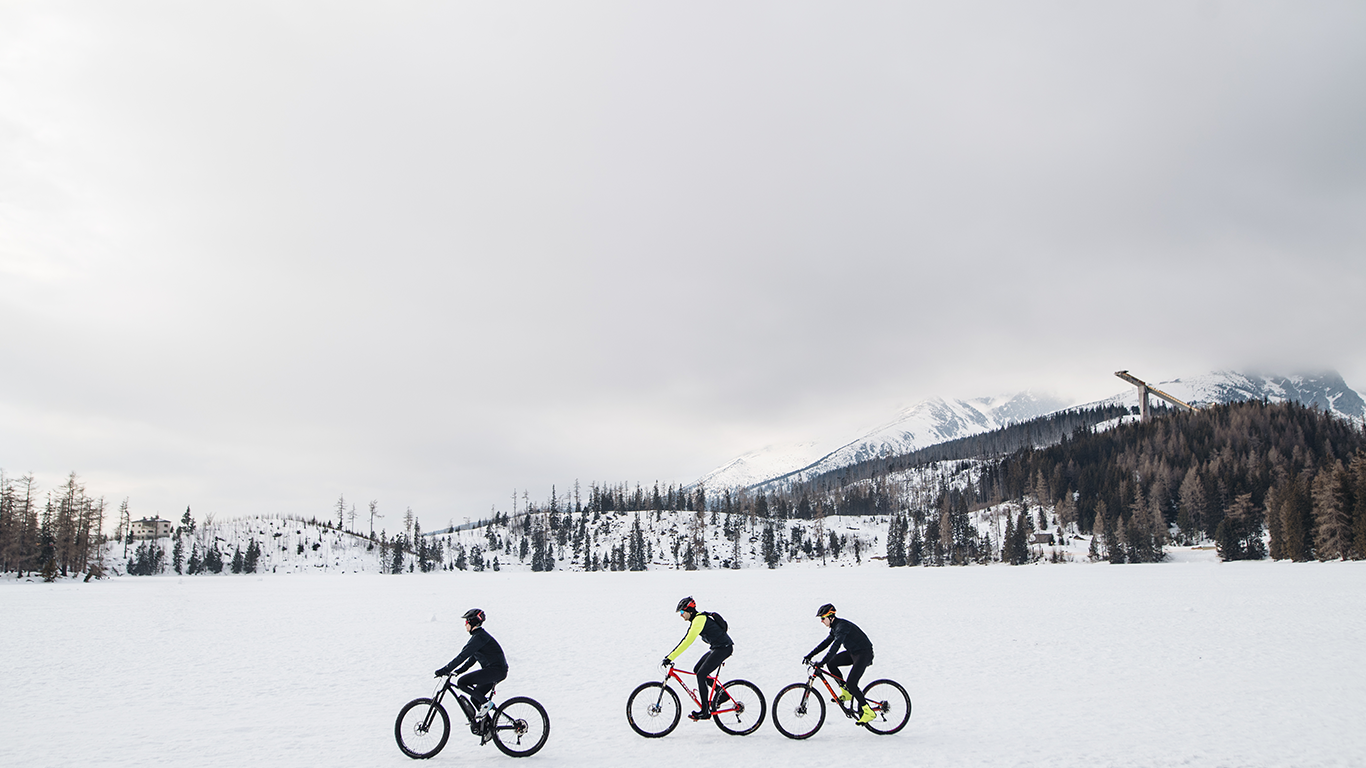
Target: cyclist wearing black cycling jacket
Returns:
[[701, 624], [857, 655], [493, 665]]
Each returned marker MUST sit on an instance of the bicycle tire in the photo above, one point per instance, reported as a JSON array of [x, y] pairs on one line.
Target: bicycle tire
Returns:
[[798, 711], [892, 703], [747, 708], [416, 736], [520, 727], [653, 714]]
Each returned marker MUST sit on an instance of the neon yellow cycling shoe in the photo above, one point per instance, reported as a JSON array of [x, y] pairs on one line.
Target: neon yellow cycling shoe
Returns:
[[845, 695], [867, 716]]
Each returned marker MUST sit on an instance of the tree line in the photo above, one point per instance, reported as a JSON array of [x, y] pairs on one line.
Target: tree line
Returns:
[[1256, 479], [57, 533], [1225, 474]]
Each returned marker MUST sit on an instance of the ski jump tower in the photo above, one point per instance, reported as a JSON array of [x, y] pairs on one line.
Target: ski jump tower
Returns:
[[1144, 389]]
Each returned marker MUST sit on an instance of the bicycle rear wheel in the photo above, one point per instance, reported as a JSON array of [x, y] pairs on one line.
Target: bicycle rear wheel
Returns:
[[798, 711], [520, 726], [653, 710], [422, 728], [742, 712], [892, 704]]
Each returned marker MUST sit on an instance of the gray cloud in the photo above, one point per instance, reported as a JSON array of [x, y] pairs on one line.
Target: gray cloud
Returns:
[[255, 256]]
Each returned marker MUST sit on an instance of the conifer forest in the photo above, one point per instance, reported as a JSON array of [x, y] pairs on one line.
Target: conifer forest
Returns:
[[1252, 479]]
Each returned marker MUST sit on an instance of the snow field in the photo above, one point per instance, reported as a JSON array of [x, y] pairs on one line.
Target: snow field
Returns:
[[1183, 663]]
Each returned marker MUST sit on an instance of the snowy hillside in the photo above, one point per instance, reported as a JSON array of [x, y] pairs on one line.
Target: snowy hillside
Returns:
[[284, 545], [667, 539], [658, 539]]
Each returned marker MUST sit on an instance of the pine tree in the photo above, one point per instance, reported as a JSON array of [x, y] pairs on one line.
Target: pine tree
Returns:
[[396, 554], [896, 541], [1296, 511], [1332, 516], [770, 549], [915, 551], [1357, 475], [178, 554], [1116, 541], [213, 560], [538, 553], [252, 557], [635, 560], [1239, 535], [196, 564], [1008, 542]]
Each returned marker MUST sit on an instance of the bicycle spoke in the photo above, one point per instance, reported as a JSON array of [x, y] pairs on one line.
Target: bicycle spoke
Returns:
[[892, 705], [798, 711]]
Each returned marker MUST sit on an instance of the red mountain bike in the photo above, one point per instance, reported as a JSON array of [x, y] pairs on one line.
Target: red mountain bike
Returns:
[[653, 710], [799, 709]]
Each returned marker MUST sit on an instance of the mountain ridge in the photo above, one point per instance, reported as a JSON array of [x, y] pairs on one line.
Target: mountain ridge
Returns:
[[936, 420]]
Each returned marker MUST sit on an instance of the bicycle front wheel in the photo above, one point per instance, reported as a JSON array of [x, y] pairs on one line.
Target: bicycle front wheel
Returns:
[[422, 728], [891, 703], [739, 709], [520, 726], [798, 711], [653, 710]]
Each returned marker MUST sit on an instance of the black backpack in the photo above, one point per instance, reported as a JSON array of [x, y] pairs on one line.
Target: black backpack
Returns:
[[716, 617]]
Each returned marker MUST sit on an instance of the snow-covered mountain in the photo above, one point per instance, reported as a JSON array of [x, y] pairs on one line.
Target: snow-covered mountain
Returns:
[[767, 462], [926, 423], [937, 420], [1326, 391]]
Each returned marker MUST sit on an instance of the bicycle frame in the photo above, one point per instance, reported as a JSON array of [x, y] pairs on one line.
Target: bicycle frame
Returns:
[[824, 675], [466, 706], [676, 674]]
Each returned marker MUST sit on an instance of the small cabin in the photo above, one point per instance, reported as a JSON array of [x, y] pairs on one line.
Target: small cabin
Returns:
[[150, 528], [1042, 538]]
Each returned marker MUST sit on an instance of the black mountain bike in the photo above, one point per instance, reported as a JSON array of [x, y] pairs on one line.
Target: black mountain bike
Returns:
[[518, 726], [799, 709]]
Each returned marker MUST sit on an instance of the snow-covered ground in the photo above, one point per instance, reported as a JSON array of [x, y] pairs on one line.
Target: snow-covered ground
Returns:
[[1191, 662]]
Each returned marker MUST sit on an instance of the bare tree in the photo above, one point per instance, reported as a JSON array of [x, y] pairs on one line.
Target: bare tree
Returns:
[[374, 505], [125, 526]]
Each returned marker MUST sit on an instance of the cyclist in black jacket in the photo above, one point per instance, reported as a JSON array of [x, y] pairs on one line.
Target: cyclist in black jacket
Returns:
[[857, 655], [493, 665], [701, 624]]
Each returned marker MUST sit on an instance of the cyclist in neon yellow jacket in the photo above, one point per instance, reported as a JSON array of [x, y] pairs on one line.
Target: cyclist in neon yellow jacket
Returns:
[[711, 628]]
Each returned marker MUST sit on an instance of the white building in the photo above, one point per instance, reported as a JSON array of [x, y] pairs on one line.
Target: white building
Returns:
[[150, 528]]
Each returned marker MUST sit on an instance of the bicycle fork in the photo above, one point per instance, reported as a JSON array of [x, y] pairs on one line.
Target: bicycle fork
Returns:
[[659, 702], [431, 711]]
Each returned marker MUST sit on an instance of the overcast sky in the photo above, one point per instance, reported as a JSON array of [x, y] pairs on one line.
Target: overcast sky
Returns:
[[255, 255]]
